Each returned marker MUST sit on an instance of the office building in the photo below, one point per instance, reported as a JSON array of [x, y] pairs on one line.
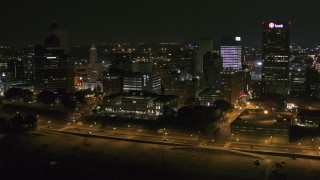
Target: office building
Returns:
[[232, 85], [205, 45], [54, 69], [212, 66], [94, 68], [276, 55], [231, 53], [139, 104], [207, 97], [142, 82]]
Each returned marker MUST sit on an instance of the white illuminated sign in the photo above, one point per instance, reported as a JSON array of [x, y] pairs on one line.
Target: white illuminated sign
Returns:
[[278, 25], [238, 38], [273, 25], [51, 57]]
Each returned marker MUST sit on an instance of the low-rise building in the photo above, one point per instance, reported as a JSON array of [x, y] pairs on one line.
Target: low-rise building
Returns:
[[260, 128], [306, 117], [139, 103]]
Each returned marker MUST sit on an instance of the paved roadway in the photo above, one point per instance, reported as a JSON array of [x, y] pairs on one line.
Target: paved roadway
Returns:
[[276, 148], [219, 139], [123, 133]]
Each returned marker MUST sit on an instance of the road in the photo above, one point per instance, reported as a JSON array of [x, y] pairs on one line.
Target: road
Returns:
[[219, 139], [276, 148], [222, 136], [123, 133]]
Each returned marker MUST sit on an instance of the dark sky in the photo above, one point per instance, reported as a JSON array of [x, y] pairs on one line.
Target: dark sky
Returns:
[[24, 21]]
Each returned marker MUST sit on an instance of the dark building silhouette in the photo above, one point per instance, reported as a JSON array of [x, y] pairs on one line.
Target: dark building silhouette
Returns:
[[15, 68], [28, 64], [312, 83], [205, 45], [232, 85], [212, 66], [276, 55], [54, 69]]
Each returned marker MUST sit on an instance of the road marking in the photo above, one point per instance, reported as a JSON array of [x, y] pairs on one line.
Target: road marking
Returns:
[[227, 145], [64, 128], [267, 173]]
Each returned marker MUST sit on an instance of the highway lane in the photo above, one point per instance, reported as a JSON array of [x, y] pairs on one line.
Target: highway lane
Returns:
[[275, 148], [137, 134]]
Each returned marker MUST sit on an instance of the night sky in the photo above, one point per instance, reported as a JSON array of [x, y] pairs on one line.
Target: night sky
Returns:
[[24, 21]]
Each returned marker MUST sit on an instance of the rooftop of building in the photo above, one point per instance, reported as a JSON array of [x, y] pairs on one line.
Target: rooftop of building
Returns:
[[307, 112], [260, 120], [166, 98]]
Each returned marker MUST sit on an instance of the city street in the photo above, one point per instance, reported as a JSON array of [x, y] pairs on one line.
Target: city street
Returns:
[[220, 138]]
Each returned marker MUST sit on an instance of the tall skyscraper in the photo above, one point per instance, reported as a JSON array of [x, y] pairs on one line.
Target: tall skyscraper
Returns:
[[205, 45], [212, 66], [276, 55], [62, 34], [28, 64], [94, 68], [54, 69], [231, 53]]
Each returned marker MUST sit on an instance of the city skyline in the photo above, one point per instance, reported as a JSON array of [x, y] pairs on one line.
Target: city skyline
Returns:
[[144, 21]]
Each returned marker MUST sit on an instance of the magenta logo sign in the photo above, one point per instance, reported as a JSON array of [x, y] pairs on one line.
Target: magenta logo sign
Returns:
[[271, 25], [274, 25]]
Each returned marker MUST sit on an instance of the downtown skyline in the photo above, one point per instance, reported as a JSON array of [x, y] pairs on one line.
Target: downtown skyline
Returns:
[[24, 23]]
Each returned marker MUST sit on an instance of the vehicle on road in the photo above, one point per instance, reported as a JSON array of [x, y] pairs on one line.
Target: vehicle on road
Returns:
[[257, 162]]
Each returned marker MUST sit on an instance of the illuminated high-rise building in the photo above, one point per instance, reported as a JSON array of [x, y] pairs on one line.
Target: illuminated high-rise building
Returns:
[[276, 55], [231, 53]]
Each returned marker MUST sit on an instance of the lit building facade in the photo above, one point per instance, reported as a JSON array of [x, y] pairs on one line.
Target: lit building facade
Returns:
[[139, 104], [142, 82], [231, 53], [209, 96], [93, 86]]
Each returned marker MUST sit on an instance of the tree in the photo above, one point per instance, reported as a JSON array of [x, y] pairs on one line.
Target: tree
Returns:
[[26, 95], [46, 97], [13, 94], [80, 96], [3, 123], [67, 101], [223, 105], [17, 122]]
